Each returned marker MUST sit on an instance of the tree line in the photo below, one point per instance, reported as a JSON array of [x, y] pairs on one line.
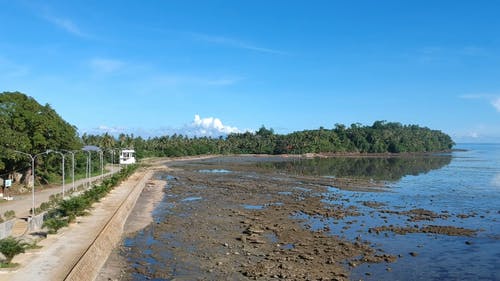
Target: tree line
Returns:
[[27, 126], [380, 137]]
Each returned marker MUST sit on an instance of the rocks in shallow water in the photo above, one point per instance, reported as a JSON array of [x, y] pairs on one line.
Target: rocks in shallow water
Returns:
[[436, 229]]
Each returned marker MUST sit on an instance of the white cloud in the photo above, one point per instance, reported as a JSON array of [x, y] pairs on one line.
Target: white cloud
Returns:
[[102, 129], [210, 127], [473, 135], [175, 80], [106, 65], [199, 127], [110, 130], [234, 43], [494, 99], [496, 104], [473, 96], [66, 24]]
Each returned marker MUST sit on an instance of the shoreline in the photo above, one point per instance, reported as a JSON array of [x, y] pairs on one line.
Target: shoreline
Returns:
[[139, 218], [254, 226]]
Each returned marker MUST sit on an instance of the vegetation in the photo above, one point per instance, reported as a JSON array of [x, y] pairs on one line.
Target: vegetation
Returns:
[[9, 214], [381, 137], [30, 127], [66, 211], [27, 126], [10, 247]]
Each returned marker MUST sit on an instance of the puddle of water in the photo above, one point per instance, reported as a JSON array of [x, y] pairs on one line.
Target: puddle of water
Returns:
[[253, 207], [285, 193], [192, 198], [288, 246], [276, 204], [271, 237], [302, 189], [215, 171]]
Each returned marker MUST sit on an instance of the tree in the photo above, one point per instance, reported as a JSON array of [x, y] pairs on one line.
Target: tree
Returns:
[[32, 128]]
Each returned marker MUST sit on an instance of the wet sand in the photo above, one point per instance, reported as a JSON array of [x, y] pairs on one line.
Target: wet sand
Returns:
[[140, 217]]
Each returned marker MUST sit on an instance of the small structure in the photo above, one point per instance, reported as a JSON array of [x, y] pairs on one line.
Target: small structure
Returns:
[[127, 156]]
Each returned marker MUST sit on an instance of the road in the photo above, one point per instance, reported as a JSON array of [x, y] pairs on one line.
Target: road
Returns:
[[60, 252], [21, 204]]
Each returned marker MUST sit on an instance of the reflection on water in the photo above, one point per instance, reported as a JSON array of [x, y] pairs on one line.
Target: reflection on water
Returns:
[[377, 168], [496, 180]]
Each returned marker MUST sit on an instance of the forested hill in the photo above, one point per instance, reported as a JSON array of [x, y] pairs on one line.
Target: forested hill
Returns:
[[381, 137]]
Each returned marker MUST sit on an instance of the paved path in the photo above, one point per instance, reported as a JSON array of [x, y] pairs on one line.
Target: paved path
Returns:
[[61, 251], [23, 203]]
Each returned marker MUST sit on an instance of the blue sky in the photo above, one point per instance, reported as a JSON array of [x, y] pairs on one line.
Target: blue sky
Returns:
[[158, 67]]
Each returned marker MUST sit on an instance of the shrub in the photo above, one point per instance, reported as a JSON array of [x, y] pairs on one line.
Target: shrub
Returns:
[[9, 214], [67, 210], [54, 224], [11, 247], [74, 206]]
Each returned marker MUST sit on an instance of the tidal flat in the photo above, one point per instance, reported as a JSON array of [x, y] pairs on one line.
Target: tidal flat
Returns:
[[269, 218]]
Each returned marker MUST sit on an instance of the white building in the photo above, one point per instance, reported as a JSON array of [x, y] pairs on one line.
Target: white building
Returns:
[[127, 156]]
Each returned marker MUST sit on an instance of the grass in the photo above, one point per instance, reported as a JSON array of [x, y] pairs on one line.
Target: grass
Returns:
[[8, 265]]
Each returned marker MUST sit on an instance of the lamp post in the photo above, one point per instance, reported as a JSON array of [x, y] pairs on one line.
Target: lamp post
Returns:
[[72, 167], [89, 149], [62, 169], [102, 163], [32, 157], [89, 159], [112, 158]]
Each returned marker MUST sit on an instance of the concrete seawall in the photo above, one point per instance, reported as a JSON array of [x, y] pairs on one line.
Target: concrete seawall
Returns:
[[6, 228], [89, 264]]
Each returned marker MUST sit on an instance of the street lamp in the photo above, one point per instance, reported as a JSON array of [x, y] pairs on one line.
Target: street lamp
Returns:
[[63, 180], [102, 163], [88, 149], [32, 157], [87, 168], [112, 158], [72, 166]]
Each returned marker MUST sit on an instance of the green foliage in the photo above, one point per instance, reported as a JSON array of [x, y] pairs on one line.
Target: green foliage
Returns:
[[65, 211], [54, 224], [10, 247], [10, 214], [8, 265], [74, 206], [27, 126], [381, 137]]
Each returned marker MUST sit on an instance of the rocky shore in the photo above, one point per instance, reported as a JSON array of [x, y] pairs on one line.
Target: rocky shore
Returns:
[[247, 224]]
